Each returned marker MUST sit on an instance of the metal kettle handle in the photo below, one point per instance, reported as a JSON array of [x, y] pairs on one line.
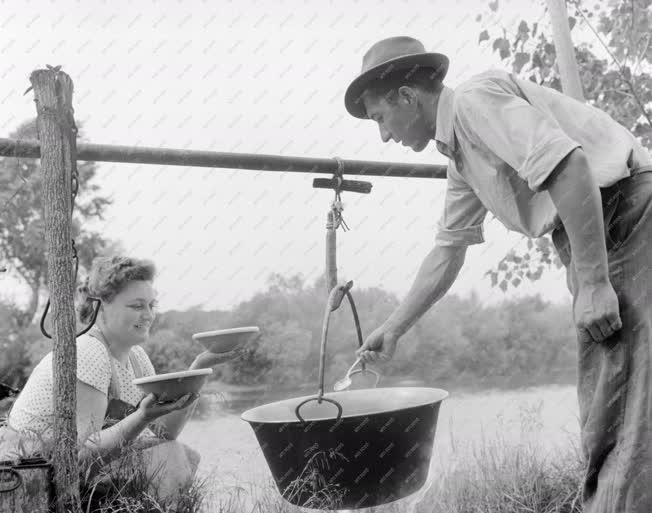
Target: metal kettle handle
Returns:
[[335, 298]]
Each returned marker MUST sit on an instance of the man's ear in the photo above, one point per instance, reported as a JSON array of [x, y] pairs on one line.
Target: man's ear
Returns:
[[407, 94]]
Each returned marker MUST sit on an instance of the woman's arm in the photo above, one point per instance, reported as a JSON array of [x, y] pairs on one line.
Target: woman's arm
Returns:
[[170, 426], [108, 442], [95, 441]]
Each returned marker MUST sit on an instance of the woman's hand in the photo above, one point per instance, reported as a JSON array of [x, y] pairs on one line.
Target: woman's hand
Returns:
[[151, 410], [208, 359]]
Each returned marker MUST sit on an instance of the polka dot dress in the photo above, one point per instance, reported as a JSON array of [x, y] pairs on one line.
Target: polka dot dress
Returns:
[[33, 409]]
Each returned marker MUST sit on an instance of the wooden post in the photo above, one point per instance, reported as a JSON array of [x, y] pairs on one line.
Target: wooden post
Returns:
[[570, 76], [53, 97]]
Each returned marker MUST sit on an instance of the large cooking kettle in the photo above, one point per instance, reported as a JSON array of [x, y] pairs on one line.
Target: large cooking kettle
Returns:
[[351, 449]]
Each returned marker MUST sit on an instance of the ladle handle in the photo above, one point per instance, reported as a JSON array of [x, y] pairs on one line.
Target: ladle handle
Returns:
[[368, 370], [337, 293], [319, 400]]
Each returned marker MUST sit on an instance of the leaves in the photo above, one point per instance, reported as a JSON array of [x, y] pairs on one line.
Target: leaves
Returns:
[[530, 265], [493, 5], [520, 60], [484, 36], [571, 22], [502, 45], [22, 222]]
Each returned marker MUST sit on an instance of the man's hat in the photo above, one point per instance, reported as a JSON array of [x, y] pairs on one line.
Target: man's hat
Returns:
[[386, 56]]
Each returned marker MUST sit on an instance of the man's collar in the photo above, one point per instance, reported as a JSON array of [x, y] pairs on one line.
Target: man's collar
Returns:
[[444, 136]]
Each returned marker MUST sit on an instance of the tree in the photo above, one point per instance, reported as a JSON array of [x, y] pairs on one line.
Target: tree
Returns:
[[22, 224], [14, 359], [620, 85], [170, 352]]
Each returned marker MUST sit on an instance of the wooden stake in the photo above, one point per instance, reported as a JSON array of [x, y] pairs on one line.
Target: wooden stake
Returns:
[[570, 76], [53, 97]]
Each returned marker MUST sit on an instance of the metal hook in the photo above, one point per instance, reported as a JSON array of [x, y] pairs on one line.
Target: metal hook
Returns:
[[96, 310]]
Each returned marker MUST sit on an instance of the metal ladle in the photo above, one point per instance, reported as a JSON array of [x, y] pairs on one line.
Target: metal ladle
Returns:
[[345, 382]]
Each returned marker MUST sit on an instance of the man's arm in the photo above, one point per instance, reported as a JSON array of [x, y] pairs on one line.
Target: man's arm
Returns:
[[435, 276], [576, 195]]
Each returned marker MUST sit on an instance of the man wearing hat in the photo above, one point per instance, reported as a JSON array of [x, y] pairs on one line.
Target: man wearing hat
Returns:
[[541, 162]]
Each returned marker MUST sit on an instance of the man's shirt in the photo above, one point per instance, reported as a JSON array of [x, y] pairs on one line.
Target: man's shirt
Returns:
[[504, 136]]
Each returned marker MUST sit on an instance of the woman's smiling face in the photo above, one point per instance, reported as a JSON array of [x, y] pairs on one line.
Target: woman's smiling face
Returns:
[[130, 314]]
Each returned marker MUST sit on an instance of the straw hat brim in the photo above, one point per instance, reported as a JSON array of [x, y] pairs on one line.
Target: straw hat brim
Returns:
[[353, 96]]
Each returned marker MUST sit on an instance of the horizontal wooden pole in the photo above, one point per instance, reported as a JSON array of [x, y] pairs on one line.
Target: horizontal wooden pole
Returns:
[[195, 158]]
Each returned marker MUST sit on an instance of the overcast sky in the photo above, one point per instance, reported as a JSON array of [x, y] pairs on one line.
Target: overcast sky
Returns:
[[243, 76]]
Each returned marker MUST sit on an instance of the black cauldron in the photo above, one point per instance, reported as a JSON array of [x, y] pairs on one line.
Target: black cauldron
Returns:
[[376, 449]]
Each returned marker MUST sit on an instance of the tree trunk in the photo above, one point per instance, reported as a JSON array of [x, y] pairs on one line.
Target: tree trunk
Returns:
[[53, 97], [570, 76]]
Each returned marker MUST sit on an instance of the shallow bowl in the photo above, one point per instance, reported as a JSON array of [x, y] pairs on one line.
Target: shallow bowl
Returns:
[[223, 341], [173, 385]]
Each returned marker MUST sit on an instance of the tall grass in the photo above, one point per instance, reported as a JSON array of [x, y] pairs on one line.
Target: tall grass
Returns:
[[494, 475], [499, 478], [128, 484]]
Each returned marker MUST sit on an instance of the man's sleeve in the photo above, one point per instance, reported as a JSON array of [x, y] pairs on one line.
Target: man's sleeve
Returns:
[[507, 126], [461, 221]]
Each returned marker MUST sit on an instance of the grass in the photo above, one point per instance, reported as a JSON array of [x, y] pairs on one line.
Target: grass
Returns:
[[502, 479], [496, 475], [496, 479]]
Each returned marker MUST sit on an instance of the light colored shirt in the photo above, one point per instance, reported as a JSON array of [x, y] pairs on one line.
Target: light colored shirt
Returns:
[[32, 412], [504, 136]]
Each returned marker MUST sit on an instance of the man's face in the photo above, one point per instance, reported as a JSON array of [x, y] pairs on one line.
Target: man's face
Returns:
[[402, 121]]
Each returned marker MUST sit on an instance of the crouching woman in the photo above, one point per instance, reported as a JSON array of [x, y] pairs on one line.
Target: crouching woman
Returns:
[[123, 434]]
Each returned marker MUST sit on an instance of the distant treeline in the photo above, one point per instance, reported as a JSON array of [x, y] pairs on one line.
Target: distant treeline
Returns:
[[458, 344]]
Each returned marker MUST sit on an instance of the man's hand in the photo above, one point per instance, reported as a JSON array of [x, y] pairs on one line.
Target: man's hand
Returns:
[[596, 311], [379, 346]]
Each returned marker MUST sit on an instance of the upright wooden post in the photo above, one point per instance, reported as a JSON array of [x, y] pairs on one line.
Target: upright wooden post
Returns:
[[53, 97], [570, 76]]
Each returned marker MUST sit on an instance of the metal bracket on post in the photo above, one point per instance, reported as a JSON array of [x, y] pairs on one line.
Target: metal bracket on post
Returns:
[[334, 217], [339, 184]]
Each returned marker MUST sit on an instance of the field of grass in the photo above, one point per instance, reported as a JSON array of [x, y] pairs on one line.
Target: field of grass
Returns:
[[498, 452], [495, 452]]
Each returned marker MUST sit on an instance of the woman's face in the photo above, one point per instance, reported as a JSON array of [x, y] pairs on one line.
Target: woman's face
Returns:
[[129, 316]]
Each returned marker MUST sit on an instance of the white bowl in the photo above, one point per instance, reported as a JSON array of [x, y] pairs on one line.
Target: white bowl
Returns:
[[223, 341], [171, 386]]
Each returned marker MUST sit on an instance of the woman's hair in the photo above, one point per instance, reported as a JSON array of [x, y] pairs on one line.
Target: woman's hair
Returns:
[[107, 278], [387, 87]]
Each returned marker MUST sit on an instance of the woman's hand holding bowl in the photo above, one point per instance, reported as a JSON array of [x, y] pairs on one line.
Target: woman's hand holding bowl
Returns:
[[208, 359], [151, 409]]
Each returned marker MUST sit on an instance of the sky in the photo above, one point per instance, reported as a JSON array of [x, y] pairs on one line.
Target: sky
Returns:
[[253, 77]]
